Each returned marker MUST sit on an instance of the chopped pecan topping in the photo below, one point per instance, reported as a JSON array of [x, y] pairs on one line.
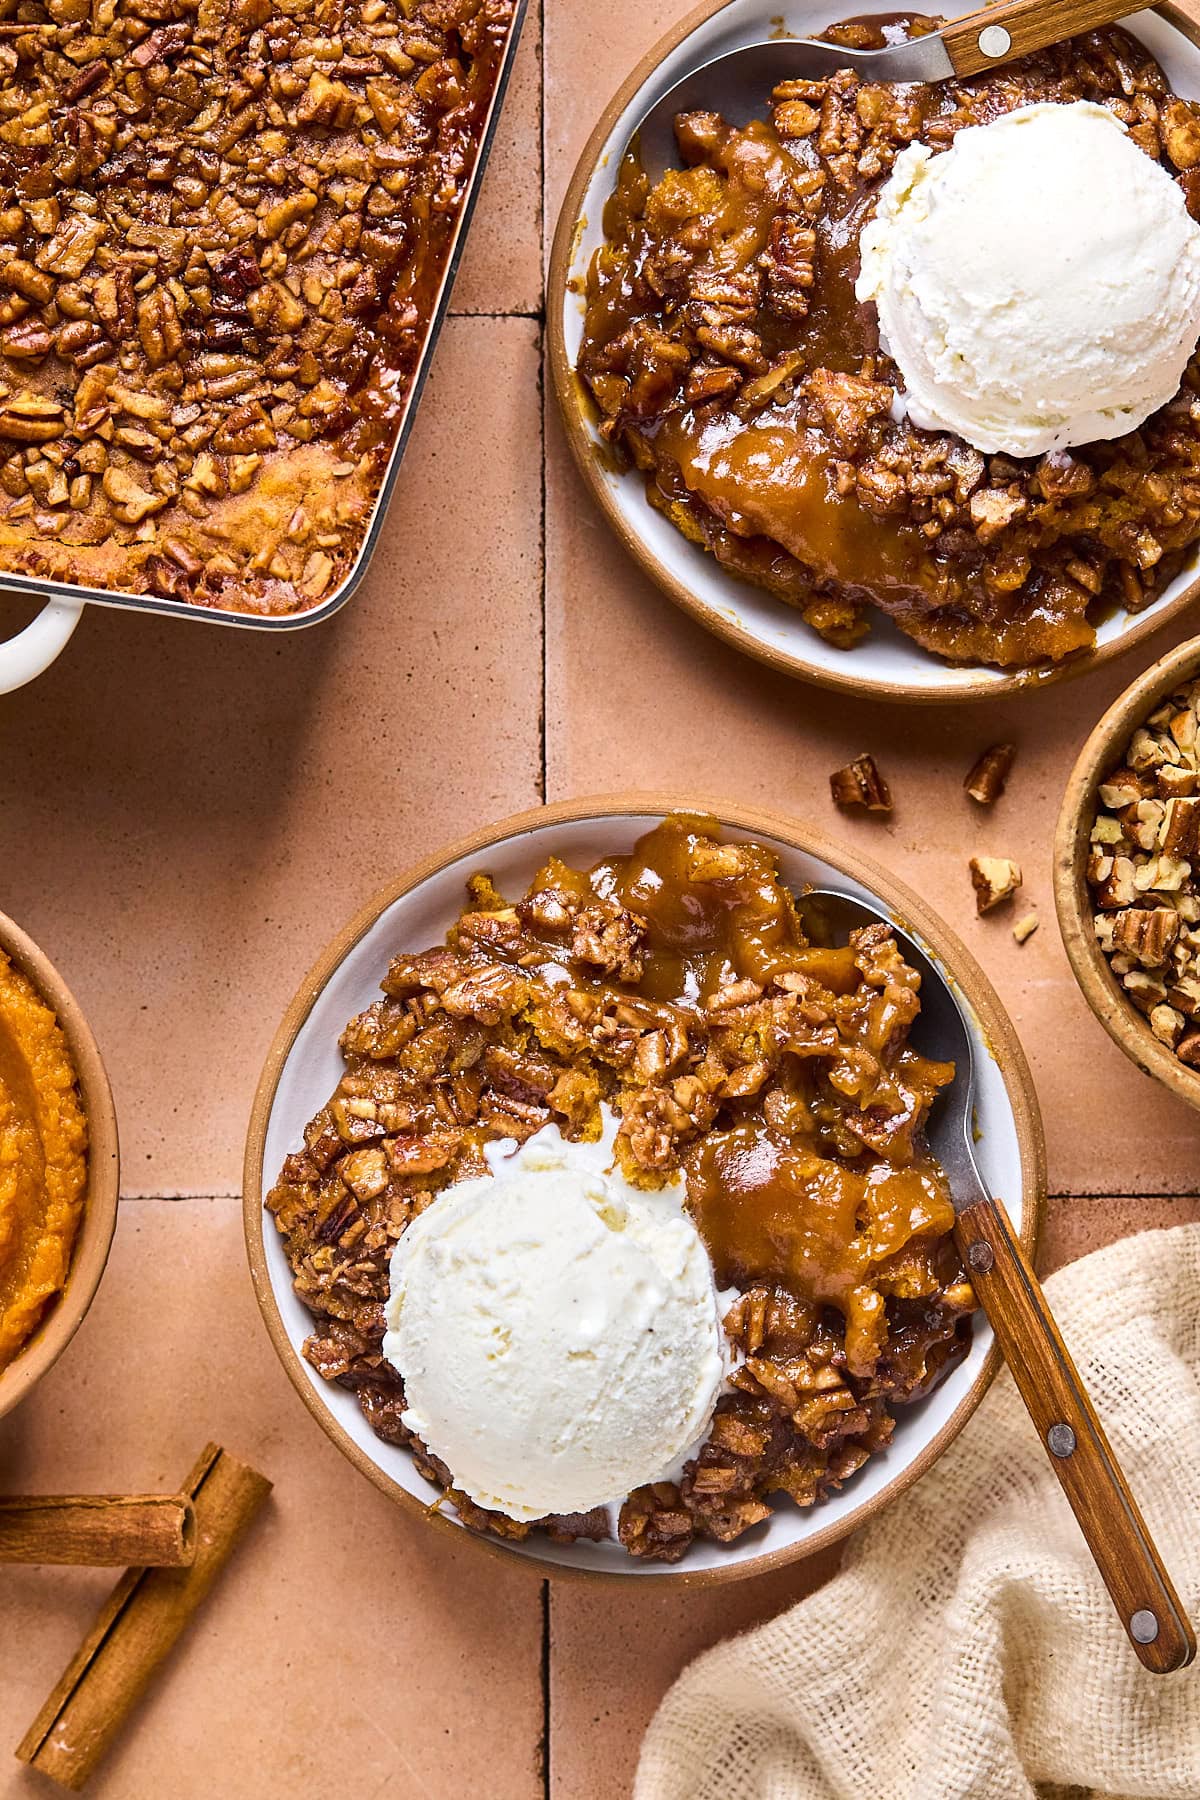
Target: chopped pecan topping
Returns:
[[220, 242]]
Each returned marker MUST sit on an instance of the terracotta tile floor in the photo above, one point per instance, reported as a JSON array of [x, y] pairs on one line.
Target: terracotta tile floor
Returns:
[[187, 814]]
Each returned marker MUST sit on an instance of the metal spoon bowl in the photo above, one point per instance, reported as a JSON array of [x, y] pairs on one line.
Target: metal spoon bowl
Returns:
[[738, 84], [1011, 1296]]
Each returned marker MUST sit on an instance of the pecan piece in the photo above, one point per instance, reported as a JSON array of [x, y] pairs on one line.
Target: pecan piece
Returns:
[[1181, 133], [1146, 933], [788, 261], [84, 82], [995, 879], [609, 939], [487, 994], [73, 245], [1180, 828], [27, 342], [31, 420], [989, 775], [848, 403], [1061, 476], [1112, 877], [158, 327], [131, 503], [993, 509], [27, 280], [861, 783]]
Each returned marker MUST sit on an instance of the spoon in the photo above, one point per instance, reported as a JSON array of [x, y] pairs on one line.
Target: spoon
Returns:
[[737, 84], [1011, 1296]]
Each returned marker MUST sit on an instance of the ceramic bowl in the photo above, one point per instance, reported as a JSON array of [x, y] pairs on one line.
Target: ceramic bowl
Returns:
[[1103, 752], [99, 1220], [886, 665], [413, 912]]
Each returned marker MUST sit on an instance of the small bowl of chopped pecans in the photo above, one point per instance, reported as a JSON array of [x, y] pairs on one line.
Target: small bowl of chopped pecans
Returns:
[[1127, 871]]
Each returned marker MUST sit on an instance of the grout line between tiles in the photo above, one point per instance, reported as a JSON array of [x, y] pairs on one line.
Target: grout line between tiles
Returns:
[[544, 698], [181, 1196], [544, 1741], [1058, 1194], [542, 776]]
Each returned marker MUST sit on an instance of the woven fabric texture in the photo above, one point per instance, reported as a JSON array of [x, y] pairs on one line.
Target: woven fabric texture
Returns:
[[967, 1649]]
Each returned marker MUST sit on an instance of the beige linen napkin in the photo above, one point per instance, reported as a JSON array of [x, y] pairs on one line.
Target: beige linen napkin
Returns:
[[967, 1650]]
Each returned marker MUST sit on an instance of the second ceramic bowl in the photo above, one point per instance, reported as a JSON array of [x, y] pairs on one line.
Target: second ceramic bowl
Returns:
[[414, 912], [886, 665], [94, 1238], [1103, 752]]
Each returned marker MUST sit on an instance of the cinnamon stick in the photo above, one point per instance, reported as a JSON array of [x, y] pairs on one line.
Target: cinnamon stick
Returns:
[[151, 1530], [142, 1619]]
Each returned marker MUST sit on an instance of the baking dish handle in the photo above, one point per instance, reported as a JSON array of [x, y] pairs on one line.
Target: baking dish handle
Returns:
[[27, 655]]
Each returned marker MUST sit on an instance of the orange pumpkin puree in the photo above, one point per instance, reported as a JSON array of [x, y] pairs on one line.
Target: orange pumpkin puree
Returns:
[[43, 1159]]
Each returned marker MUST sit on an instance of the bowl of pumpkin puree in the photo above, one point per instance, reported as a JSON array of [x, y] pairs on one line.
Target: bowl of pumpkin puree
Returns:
[[59, 1174]]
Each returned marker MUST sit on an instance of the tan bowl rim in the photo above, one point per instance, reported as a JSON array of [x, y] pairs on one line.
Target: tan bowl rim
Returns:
[[90, 1252], [988, 685], [974, 983], [1102, 752]]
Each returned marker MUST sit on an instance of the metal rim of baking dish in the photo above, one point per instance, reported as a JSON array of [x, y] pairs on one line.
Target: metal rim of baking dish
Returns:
[[40, 587], [944, 683], [995, 1031]]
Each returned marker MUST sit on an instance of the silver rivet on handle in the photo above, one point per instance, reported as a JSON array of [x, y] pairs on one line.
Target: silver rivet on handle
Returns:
[[995, 41], [1061, 1440], [981, 1258], [1143, 1627]]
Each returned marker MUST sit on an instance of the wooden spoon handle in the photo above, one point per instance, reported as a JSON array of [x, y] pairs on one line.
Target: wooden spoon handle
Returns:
[[984, 39], [1080, 1454]]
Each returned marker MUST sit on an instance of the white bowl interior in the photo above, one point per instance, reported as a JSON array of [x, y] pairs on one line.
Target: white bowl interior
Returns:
[[314, 1066], [886, 658]]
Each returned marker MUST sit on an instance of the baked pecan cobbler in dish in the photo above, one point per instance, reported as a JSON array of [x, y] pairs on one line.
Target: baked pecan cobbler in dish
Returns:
[[730, 362], [672, 989], [222, 231]]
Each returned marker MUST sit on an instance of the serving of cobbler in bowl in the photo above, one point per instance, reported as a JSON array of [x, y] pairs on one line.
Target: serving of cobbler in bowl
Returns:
[[588, 1199], [849, 473]]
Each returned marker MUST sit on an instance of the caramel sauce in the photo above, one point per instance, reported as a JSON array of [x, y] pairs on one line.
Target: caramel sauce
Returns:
[[771, 1209], [776, 478], [821, 1188], [700, 932]]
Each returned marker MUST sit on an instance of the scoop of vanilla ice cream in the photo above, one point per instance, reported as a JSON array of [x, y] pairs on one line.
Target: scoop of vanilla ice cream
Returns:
[[1038, 283], [557, 1330]]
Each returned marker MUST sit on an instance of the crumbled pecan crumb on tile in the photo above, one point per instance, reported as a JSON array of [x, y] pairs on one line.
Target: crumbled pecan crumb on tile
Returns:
[[1141, 869], [995, 879], [221, 233], [861, 783], [1024, 928], [989, 775]]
